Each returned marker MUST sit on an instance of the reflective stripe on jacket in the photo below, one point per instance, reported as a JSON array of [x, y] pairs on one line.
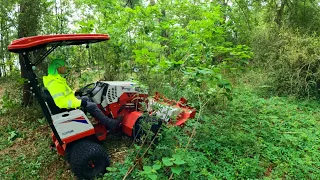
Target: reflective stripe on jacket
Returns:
[[61, 93]]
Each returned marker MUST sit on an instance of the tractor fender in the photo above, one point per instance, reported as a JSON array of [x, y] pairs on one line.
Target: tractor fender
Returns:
[[129, 121]]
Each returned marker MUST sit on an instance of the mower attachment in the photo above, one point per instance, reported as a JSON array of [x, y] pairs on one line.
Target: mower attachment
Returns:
[[173, 112]]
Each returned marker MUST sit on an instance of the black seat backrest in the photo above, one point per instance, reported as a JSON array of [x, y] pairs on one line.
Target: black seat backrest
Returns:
[[52, 105]]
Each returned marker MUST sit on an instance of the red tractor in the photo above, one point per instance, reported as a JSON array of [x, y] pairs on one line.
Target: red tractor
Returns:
[[73, 134]]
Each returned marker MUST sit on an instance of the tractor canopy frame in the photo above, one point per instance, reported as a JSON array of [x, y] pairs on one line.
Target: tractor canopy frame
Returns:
[[26, 45]]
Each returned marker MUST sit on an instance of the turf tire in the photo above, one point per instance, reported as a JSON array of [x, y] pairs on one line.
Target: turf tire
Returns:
[[88, 159]]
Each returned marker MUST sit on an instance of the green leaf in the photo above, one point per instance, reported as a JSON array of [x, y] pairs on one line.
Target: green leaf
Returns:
[[152, 176], [227, 86], [156, 166], [42, 121], [13, 135], [111, 169], [136, 146], [176, 170], [147, 169], [179, 161], [22, 80], [179, 62], [176, 156], [219, 76], [167, 161]]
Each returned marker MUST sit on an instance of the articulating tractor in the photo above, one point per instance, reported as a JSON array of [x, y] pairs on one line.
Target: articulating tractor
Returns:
[[73, 134]]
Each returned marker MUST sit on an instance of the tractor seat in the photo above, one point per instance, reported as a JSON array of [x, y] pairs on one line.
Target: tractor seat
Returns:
[[52, 105]]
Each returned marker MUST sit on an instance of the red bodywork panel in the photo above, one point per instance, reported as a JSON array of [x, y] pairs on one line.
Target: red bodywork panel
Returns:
[[129, 121], [35, 42], [60, 149], [101, 131]]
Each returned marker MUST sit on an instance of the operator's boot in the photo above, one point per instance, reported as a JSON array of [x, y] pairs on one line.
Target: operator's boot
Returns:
[[112, 123]]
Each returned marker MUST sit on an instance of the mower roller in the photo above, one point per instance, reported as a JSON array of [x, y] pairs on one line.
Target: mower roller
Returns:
[[73, 134]]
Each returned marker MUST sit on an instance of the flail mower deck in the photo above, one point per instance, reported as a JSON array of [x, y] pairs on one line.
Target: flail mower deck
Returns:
[[73, 134]]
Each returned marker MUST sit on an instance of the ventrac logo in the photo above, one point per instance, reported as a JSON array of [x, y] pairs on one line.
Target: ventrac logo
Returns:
[[67, 132], [126, 88]]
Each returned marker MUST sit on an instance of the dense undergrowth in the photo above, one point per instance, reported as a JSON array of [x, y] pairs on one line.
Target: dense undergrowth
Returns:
[[291, 58], [253, 136]]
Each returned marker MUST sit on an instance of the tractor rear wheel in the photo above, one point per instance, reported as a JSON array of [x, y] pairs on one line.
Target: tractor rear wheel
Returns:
[[88, 159]]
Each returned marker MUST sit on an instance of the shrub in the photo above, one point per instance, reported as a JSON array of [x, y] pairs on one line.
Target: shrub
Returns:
[[291, 59]]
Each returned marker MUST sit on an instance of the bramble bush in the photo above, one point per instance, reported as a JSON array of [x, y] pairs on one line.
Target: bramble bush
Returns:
[[291, 59]]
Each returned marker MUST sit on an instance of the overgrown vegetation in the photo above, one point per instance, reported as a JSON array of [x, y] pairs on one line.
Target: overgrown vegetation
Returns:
[[250, 68], [251, 137], [292, 60]]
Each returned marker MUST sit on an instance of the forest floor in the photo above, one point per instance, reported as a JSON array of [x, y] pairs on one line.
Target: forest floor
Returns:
[[288, 145]]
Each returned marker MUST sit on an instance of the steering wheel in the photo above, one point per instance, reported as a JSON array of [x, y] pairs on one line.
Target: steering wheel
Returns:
[[86, 89]]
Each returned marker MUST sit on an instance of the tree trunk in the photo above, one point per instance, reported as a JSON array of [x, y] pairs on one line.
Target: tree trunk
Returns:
[[7, 42], [11, 64], [278, 18], [28, 24], [2, 43]]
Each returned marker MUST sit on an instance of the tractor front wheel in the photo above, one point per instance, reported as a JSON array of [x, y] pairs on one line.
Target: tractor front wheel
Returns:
[[146, 126], [88, 160]]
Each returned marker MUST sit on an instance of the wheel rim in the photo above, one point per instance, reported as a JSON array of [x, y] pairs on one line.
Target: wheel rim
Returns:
[[94, 166], [91, 164]]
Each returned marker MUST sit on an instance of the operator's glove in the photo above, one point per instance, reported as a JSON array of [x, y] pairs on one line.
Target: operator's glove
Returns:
[[83, 103]]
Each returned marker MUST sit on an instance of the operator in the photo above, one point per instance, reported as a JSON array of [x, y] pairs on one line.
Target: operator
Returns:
[[64, 97]]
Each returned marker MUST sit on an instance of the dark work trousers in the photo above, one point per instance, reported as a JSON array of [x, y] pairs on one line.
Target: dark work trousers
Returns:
[[94, 110]]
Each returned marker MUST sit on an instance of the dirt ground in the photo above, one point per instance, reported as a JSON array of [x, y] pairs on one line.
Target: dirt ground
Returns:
[[2, 90]]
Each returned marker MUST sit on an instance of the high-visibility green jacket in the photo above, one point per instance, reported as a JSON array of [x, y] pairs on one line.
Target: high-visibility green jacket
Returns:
[[61, 93]]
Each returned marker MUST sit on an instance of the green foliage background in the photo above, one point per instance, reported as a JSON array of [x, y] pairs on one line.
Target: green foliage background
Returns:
[[250, 68]]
